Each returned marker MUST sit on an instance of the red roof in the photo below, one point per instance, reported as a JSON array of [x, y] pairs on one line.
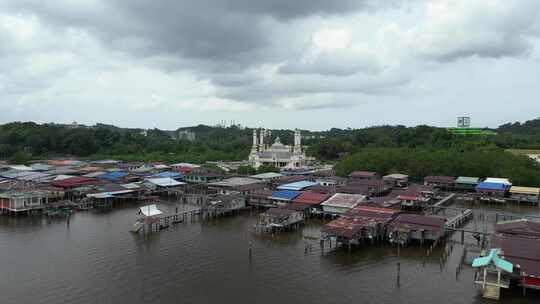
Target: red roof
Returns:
[[375, 210], [416, 221], [75, 182], [311, 198]]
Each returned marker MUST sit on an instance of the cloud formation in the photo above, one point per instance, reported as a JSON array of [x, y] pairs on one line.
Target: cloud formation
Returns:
[[231, 57]]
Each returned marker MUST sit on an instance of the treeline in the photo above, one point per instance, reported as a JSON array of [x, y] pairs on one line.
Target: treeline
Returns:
[[101, 141], [340, 142], [421, 162], [31, 140]]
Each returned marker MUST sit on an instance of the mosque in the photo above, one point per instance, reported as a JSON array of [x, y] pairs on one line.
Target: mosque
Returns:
[[277, 155]]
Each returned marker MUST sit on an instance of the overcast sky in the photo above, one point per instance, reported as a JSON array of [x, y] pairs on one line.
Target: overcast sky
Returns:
[[311, 64]]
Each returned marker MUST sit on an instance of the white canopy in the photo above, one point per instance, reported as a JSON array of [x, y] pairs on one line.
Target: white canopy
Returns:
[[150, 210], [165, 182]]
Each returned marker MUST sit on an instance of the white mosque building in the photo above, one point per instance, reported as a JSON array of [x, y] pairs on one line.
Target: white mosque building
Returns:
[[277, 155]]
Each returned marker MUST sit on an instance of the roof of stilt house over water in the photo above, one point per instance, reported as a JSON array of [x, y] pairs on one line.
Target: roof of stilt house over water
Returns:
[[311, 198], [75, 181], [267, 175], [418, 222], [521, 251], [489, 186], [372, 212], [235, 182], [150, 210], [320, 189], [467, 180], [164, 182], [521, 227], [280, 212], [113, 176], [525, 190], [286, 195], [297, 186], [344, 200], [289, 179], [344, 226], [494, 258], [440, 179]]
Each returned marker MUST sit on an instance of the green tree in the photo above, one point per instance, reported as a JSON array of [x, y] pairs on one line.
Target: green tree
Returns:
[[19, 158], [246, 170], [267, 168]]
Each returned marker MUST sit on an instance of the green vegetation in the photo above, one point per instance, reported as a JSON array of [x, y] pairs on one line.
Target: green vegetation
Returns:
[[266, 169], [420, 162], [246, 170], [103, 141], [418, 151]]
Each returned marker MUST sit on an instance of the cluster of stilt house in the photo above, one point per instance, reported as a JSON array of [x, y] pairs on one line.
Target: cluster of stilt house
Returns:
[[362, 208]]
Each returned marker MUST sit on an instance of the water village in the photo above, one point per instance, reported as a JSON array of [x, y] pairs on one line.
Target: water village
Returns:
[[358, 210]]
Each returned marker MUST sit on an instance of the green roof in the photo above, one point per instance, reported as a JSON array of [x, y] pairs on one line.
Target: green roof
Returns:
[[494, 258], [467, 180]]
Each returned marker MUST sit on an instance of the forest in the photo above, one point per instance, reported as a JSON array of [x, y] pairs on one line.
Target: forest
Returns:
[[419, 151]]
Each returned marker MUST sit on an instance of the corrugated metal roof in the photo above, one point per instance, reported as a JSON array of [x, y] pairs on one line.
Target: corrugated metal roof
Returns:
[[494, 258], [297, 186], [235, 181], [505, 181], [344, 200], [169, 174], [165, 182], [267, 175], [311, 198], [284, 195], [396, 176], [525, 190], [491, 186], [364, 174], [467, 180], [150, 210], [113, 175]]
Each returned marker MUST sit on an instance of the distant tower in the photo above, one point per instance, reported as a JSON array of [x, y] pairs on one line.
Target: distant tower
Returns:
[[297, 142], [464, 122], [255, 142], [262, 134]]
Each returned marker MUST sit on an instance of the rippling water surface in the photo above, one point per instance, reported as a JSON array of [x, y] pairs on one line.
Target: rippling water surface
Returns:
[[94, 259]]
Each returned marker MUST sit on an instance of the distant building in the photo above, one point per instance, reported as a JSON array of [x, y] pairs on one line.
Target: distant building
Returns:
[[73, 125], [144, 133], [277, 155], [535, 157], [187, 135]]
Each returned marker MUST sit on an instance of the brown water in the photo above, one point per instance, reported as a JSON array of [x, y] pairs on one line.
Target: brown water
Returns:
[[95, 259]]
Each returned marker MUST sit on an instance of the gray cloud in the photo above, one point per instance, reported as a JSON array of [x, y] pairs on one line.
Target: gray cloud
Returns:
[[212, 57]]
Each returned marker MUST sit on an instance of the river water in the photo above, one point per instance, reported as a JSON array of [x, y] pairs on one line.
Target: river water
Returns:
[[94, 259]]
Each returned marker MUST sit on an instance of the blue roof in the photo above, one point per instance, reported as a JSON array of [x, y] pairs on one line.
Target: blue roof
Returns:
[[297, 186], [492, 186], [286, 195], [169, 174], [113, 175]]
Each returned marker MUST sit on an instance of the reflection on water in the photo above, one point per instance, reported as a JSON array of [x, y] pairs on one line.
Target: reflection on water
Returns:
[[95, 259]]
